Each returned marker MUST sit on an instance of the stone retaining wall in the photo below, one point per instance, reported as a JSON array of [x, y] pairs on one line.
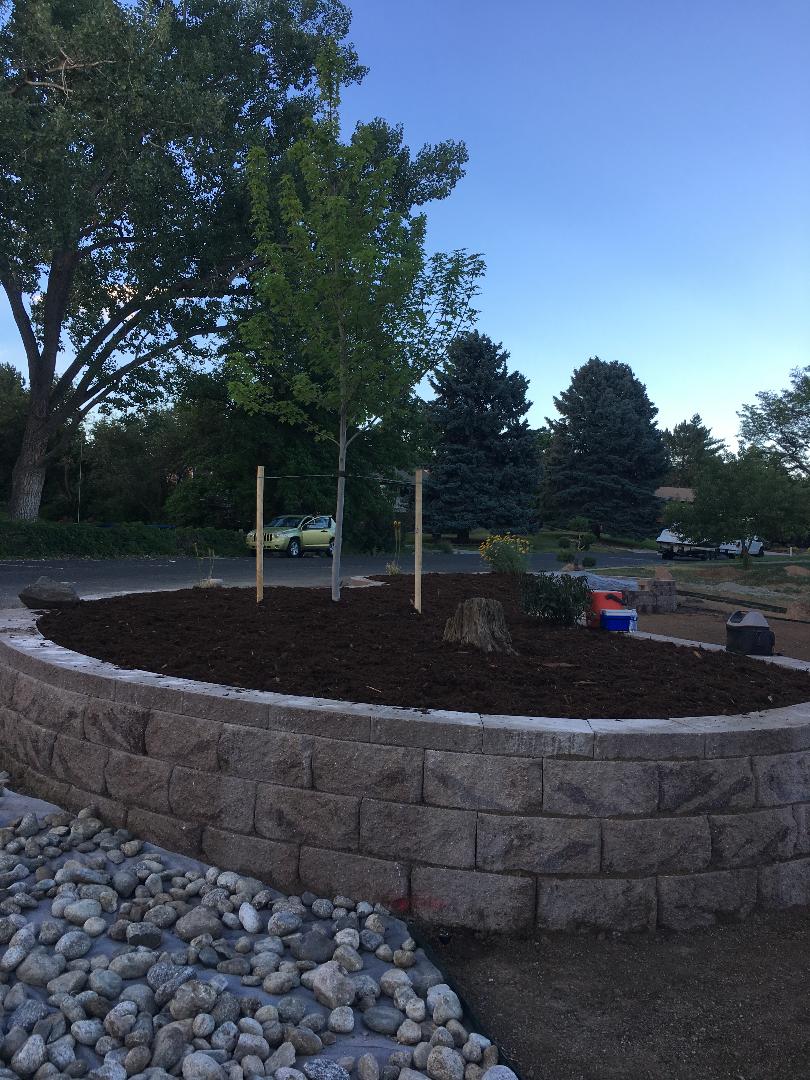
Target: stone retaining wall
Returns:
[[494, 822]]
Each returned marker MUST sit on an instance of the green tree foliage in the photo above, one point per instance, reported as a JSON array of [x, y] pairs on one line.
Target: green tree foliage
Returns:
[[13, 408], [607, 456], [690, 447], [124, 216], [350, 313], [780, 423], [752, 494], [484, 474], [194, 464]]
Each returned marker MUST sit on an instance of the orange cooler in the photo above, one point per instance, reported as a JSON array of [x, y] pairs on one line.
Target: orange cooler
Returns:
[[603, 601]]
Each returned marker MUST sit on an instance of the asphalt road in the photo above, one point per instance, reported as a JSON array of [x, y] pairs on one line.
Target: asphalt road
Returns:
[[102, 577]]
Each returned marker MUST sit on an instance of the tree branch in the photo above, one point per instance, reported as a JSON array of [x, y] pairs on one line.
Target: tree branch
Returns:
[[23, 321]]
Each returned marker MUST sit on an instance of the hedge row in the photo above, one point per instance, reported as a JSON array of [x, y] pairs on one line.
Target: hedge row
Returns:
[[50, 539]]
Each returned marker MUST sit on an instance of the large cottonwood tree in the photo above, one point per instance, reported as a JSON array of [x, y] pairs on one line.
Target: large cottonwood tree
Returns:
[[124, 215]]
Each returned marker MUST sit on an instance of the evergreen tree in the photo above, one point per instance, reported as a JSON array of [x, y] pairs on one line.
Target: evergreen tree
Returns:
[[606, 456], [691, 447], [485, 470]]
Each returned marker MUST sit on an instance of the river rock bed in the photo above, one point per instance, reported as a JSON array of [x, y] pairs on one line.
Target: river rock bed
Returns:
[[119, 960]]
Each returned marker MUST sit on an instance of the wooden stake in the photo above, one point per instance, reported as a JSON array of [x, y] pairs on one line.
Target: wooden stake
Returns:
[[259, 533], [417, 544]]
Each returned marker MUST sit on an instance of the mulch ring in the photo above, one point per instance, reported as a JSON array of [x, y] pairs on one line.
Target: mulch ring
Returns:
[[373, 647]]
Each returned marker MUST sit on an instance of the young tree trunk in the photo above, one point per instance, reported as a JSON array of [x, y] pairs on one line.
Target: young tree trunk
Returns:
[[341, 492], [28, 476]]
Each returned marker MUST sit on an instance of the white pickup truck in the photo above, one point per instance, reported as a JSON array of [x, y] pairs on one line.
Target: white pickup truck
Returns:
[[734, 548], [671, 545]]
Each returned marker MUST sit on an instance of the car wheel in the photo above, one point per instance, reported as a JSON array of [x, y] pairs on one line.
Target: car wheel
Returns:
[[294, 548], [330, 551], [760, 553]]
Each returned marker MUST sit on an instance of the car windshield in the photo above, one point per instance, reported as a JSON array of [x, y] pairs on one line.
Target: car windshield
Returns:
[[285, 523]]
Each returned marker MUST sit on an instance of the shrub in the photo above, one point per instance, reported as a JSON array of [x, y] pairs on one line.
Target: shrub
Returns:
[[589, 561], [585, 540], [563, 543], [51, 539], [562, 600], [566, 557], [505, 554], [445, 547]]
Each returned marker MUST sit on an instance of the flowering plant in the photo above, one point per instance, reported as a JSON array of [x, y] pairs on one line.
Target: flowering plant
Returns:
[[505, 554]]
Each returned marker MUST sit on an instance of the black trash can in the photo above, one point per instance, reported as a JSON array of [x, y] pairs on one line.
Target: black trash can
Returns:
[[748, 632]]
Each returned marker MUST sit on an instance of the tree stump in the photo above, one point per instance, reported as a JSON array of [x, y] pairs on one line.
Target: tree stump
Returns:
[[480, 622]]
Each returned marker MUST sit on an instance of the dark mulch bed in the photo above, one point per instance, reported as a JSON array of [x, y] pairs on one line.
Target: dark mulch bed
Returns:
[[373, 647], [727, 1003]]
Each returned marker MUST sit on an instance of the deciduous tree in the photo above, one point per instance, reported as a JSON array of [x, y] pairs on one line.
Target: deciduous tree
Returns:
[[781, 423], [351, 314], [124, 216], [752, 494]]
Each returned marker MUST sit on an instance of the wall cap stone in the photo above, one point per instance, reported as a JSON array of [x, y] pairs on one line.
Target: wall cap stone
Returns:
[[23, 647]]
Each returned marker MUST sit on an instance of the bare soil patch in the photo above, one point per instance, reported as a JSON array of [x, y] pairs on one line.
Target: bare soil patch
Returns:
[[727, 1003], [373, 647]]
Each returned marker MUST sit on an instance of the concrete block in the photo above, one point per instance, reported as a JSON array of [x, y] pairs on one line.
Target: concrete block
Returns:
[[167, 832], [267, 860], [139, 781], [596, 903], [535, 736], [649, 740], [785, 885], [424, 834], [304, 816], [777, 731], [483, 782], [81, 763], [689, 901], [277, 757], [30, 782], [8, 682], [801, 814], [700, 787], [538, 845], [49, 706], [226, 802], [435, 730], [600, 788], [782, 779], [491, 902], [30, 744], [188, 740], [380, 772], [115, 725], [110, 811], [226, 704], [150, 691], [752, 839], [316, 716], [656, 846], [331, 873]]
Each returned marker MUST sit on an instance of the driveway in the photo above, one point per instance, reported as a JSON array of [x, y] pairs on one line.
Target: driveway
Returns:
[[102, 577]]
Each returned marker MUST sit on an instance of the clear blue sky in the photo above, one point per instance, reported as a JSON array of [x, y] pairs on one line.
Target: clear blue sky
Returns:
[[639, 181]]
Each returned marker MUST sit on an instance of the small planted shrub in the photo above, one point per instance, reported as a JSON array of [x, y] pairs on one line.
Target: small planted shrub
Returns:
[[560, 600], [445, 547], [563, 543], [588, 562], [505, 554], [567, 557]]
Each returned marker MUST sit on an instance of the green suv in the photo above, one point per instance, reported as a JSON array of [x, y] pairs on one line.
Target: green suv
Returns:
[[296, 535]]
